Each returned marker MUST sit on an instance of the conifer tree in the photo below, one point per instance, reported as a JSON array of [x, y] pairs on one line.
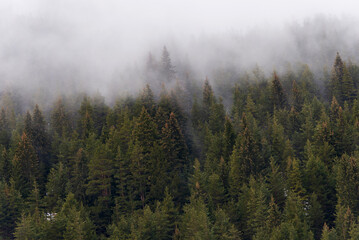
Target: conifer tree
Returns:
[[147, 100], [208, 99], [297, 98], [5, 166], [245, 156], [277, 142], [223, 229], [60, 121], [4, 129], [276, 184], [337, 77], [79, 174], [344, 221], [168, 70], [56, 187], [100, 111], [86, 124], [328, 234], [175, 150], [28, 128], [229, 139], [347, 177], [40, 141], [25, 165], [195, 222], [216, 117], [11, 205], [348, 90], [99, 185], [278, 96]]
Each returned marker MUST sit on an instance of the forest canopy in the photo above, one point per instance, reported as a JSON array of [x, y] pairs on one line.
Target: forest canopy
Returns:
[[262, 157]]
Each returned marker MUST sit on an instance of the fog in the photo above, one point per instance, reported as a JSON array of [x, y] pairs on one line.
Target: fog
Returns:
[[55, 47]]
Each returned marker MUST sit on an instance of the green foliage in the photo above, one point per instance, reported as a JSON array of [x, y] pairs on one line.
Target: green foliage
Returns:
[[195, 223], [282, 164], [278, 97], [25, 165]]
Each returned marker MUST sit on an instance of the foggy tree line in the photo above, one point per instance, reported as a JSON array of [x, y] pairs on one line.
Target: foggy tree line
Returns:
[[280, 162]]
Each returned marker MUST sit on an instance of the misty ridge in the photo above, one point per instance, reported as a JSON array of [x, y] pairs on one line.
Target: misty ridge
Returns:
[[41, 60]]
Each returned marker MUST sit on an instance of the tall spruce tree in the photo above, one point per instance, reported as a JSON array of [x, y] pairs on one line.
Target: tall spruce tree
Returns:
[[278, 97], [168, 70], [25, 165]]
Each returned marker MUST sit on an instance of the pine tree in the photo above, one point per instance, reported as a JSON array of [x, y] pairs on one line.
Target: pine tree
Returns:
[[317, 179], [40, 142], [5, 166], [229, 139], [277, 142], [245, 159], [342, 85], [216, 117], [28, 128], [223, 229], [316, 215], [100, 111], [139, 186], [276, 184], [279, 98], [208, 99], [25, 165], [168, 70], [56, 187], [175, 150], [72, 221], [328, 234], [60, 121], [348, 90], [86, 124], [344, 221], [256, 207], [147, 100], [99, 185], [11, 205], [297, 98], [152, 224], [79, 174], [4, 129], [337, 77], [195, 222], [347, 177]]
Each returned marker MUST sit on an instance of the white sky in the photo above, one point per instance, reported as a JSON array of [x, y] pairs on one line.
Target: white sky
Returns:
[[43, 37], [186, 15]]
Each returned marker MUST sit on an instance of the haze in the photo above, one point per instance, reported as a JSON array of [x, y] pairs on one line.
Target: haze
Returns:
[[101, 46]]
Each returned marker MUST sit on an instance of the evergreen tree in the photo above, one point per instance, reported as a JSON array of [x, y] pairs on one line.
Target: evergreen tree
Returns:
[[279, 98], [4, 129], [208, 99], [99, 185], [245, 159], [25, 165], [79, 174], [56, 187], [337, 77], [168, 70], [297, 98], [40, 141], [175, 149], [86, 124], [195, 222], [60, 121], [11, 205], [5, 166]]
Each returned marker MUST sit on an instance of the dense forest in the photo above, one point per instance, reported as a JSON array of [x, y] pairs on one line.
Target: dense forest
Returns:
[[263, 157]]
